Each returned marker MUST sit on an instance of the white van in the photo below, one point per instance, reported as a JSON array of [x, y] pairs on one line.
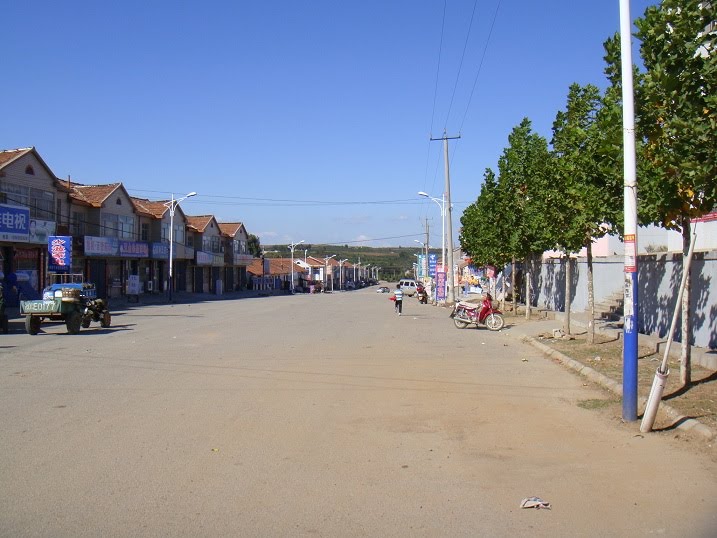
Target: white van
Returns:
[[408, 286]]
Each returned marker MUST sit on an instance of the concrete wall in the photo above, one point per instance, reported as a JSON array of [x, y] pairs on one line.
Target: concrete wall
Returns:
[[659, 277]]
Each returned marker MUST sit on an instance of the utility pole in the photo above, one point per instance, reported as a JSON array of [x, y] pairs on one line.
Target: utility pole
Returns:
[[630, 345], [450, 276], [425, 260]]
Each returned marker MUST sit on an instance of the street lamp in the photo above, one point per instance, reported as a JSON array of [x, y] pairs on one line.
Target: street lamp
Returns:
[[424, 265], [292, 247], [172, 205], [442, 205], [326, 269], [341, 272]]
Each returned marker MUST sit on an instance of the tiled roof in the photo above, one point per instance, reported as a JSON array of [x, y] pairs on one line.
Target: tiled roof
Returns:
[[230, 228], [91, 195], [199, 223], [153, 208], [277, 266], [10, 155]]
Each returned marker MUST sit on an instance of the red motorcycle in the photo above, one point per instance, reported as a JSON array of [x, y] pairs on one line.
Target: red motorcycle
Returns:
[[465, 314]]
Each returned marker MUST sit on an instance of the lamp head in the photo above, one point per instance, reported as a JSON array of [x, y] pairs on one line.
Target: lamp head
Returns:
[[191, 194], [421, 193]]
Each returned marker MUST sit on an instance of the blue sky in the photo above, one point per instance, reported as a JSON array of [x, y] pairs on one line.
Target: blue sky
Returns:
[[303, 119]]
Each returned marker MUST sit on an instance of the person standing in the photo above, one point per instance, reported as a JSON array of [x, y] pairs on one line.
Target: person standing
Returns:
[[398, 297]]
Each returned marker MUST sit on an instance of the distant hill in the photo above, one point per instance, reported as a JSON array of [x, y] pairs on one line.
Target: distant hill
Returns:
[[395, 262]]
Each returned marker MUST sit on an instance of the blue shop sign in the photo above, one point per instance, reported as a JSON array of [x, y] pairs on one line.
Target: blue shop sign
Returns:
[[59, 248], [160, 251], [14, 223]]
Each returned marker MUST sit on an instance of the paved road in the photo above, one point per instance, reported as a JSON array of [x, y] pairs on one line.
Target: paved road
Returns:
[[322, 415]]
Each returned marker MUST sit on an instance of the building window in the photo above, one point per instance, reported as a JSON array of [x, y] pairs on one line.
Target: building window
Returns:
[[144, 234], [41, 203], [29, 170], [78, 224], [109, 225], [126, 227]]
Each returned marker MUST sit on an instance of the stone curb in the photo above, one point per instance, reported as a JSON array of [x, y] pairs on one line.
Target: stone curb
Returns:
[[683, 422]]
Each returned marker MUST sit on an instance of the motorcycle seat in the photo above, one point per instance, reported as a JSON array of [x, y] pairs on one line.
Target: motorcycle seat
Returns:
[[468, 306]]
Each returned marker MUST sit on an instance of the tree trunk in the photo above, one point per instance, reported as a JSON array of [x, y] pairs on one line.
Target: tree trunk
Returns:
[[512, 287], [685, 350], [568, 293], [527, 273], [591, 295], [502, 292]]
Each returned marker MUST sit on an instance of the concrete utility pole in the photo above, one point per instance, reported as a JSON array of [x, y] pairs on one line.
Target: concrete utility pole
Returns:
[[629, 350], [425, 260], [450, 274]]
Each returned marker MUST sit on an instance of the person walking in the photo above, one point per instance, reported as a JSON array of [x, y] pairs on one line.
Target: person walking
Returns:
[[398, 298]]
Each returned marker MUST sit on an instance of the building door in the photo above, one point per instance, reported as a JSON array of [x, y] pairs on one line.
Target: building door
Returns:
[[97, 274]]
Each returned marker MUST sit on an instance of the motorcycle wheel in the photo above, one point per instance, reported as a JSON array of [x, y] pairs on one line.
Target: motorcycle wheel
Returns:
[[494, 322], [460, 323], [106, 320], [86, 322]]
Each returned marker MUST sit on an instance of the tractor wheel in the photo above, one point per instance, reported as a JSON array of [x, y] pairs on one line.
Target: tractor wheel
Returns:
[[73, 322], [32, 324], [106, 320]]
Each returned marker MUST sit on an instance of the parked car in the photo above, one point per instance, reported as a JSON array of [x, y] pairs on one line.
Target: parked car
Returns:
[[408, 285], [383, 289]]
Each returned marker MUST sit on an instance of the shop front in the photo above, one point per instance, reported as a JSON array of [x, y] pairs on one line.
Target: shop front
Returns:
[[110, 261]]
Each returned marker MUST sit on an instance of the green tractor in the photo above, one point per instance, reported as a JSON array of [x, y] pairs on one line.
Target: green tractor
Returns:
[[70, 300]]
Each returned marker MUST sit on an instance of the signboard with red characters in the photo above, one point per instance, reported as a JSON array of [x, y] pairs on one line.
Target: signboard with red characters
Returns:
[[59, 248]]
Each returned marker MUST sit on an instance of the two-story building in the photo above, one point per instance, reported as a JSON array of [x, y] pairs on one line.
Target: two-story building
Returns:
[[113, 235]]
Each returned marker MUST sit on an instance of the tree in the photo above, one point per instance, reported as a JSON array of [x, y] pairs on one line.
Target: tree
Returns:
[[677, 118], [254, 246], [511, 217], [591, 195], [482, 235], [528, 201]]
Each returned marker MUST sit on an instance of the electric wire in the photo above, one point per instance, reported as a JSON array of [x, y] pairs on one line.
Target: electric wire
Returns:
[[460, 66]]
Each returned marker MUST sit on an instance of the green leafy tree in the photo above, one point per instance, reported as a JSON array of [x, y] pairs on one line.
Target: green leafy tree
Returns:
[[482, 235], [676, 101], [591, 193], [528, 200], [254, 246]]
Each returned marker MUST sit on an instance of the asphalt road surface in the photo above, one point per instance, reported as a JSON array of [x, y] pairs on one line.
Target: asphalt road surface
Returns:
[[321, 415]]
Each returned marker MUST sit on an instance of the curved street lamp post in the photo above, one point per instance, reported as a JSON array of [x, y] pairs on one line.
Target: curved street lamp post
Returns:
[[172, 205], [326, 271], [292, 248], [442, 205]]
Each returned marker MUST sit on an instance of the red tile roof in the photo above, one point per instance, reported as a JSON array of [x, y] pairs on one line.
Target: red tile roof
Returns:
[[91, 195], [151, 208], [199, 223], [230, 229], [9, 155]]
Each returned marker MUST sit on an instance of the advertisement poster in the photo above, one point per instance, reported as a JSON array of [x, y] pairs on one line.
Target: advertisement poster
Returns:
[[59, 248], [440, 286]]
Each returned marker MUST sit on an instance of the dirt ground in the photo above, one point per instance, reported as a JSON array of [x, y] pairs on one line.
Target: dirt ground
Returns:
[[698, 401]]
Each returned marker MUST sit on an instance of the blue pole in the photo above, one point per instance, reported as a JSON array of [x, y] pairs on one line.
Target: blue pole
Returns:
[[629, 351]]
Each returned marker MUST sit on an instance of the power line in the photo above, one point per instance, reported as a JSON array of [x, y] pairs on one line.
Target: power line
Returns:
[[460, 66]]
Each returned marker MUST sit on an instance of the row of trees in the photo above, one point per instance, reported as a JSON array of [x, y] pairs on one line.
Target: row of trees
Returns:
[[566, 194]]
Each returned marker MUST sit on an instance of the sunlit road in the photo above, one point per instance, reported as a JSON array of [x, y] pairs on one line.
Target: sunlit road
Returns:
[[322, 415]]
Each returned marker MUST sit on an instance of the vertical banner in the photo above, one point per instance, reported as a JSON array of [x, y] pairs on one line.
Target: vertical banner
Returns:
[[440, 286], [59, 248], [432, 262]]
